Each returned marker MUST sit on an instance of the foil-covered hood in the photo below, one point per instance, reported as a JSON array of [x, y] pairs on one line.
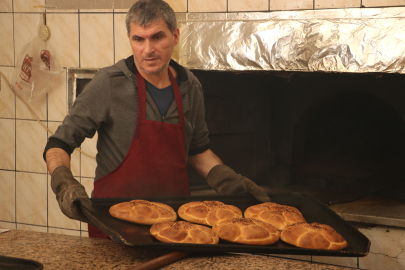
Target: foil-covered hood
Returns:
[[339, 40]]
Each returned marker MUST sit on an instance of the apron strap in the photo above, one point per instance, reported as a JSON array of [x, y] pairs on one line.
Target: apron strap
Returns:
[[177, 96], [141, 93]]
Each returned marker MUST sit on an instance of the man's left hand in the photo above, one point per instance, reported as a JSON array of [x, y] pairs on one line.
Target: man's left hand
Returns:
[[226, 181]]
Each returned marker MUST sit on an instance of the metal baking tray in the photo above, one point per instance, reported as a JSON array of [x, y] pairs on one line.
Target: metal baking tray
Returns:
[[12, 263], [138, 235]]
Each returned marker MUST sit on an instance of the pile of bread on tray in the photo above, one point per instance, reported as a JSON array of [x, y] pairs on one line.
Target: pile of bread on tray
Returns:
[[262, 224]]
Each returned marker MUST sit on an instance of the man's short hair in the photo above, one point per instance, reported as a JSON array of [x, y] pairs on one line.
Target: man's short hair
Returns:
[[143, 12]]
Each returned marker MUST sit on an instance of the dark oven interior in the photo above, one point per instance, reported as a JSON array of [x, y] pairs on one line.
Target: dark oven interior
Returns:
[[319, 132]]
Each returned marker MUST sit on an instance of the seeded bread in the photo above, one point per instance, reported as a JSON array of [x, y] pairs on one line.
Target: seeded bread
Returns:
[[275, 214], [143, 212], [247, 231], [208, 212], [314, 235], [183, 232]]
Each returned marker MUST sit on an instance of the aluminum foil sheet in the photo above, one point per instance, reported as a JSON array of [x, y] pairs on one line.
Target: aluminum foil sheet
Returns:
[[341, 40]]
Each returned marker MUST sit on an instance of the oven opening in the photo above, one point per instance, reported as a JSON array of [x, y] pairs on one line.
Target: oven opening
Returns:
[[333, 133], [351, 136]]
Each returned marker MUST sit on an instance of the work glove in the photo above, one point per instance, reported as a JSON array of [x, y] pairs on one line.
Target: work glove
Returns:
[[226, 181], [70, 194]]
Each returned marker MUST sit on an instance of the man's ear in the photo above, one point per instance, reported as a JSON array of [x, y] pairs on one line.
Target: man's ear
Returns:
[[176, 35]]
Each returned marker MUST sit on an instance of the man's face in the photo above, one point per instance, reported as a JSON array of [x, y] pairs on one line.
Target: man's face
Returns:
[[152, 46]]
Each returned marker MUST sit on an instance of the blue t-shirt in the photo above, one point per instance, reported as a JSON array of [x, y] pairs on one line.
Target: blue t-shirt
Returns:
[[162, 97]]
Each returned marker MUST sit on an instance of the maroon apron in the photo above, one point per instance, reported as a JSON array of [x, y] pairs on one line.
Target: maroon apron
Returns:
[[155, 164]]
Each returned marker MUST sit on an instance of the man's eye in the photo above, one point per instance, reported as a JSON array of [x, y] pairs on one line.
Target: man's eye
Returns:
[[158, 37]]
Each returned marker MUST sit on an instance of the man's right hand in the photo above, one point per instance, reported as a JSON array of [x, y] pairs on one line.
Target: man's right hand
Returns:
[[69, 192]]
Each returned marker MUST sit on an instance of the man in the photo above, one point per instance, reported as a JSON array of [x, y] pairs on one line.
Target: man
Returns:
[[149, 114]]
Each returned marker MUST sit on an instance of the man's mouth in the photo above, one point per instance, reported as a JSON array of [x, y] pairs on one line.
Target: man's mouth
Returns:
[[150, 59]]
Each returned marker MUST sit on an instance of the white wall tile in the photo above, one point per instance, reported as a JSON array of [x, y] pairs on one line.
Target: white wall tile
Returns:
[[8, 225], [84, 233], [31, 198], [24, 29], [6, 39], [74, 158], [55, 216], [96, 10], [57, 98], [87, 5], [382, 3], [337, 3], [65, 232], [7, 145], [207, 6], [7, 195], [31, 139], [290, 5], [64, 38], [75, 163], [341, 261], [122, 46], [54, 10], [248, 5], [88, 184], [26, 227], [6, 6], [96, 40], [87, 164], [7, 97], [29, 6], [38, 107], [178, 5]]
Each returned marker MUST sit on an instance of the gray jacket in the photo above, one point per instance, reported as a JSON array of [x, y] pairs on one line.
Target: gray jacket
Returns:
[[108, 106]]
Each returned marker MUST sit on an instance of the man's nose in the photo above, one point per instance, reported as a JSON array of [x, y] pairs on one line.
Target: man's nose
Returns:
[[149, 48]]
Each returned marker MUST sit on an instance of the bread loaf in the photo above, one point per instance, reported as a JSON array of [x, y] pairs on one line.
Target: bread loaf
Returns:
[[143, 212], [247, 231], [183, 232], [208, 212], [314, 235], [275, 214]]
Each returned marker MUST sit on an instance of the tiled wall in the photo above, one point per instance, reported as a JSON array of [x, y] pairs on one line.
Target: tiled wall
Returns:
[[79, 39], [82, 38]]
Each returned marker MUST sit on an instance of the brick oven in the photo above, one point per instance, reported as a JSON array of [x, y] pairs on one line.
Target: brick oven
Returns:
[[307, 101]]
